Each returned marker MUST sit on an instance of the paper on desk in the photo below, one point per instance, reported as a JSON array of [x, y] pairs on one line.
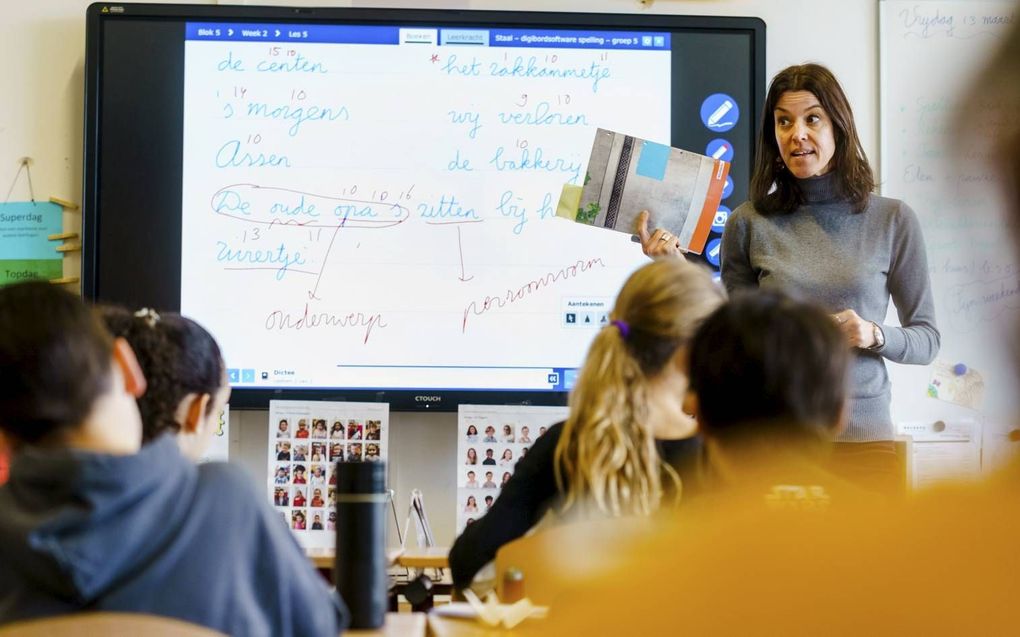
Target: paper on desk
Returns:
[[943, 451]]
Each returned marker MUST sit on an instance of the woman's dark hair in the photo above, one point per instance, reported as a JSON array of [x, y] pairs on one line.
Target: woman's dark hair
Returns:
[[766, 360], [854, 178], [178, 357], [55, 360]]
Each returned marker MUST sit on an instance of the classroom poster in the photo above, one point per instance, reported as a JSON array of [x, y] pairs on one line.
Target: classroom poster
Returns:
[[306, 441], [219, 447], [491, 439], [25, 249]]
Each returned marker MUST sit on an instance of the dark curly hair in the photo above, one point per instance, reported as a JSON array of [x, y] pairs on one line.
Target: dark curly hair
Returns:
[[178, 357]]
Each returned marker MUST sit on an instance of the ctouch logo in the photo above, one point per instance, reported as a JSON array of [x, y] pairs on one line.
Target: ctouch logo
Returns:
[[428, 399]]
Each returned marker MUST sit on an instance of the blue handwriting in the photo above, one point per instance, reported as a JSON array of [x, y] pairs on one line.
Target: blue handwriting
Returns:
[[299, 114]]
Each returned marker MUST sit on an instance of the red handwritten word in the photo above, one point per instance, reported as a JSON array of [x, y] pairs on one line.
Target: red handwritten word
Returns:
[[280, 320], [530, 287]]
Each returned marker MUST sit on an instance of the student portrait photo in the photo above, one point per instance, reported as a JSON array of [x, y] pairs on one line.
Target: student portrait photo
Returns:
[[300, 452], [507, 459], [317, 522], [319, 428], [472, 481], [372, 452], [297, 520], [373, 430], [282, 475], [490, 434], [280, 498], [472, 456], [354, 452], [317, 501], [302, 429], [299, 499], [336, 452], [318, 474], [283, 429], [508, 433], [489, 459], [506, 478], [283, 451], [471, 505], [525, 436], [488, 502], [336, 432], [331, 521], [472, 433], [489, 483], [300, 476], [354, 430]]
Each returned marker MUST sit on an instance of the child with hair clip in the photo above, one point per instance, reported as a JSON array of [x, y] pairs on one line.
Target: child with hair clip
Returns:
[[627, 445]]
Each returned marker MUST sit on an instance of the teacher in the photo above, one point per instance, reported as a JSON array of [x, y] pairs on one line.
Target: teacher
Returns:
[[814, 228]]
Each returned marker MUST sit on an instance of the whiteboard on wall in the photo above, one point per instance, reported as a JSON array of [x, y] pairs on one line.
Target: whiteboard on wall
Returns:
[[930, 52]]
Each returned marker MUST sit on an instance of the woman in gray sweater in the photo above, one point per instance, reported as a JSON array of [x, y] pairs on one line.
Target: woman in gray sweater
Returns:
[[814, 228]]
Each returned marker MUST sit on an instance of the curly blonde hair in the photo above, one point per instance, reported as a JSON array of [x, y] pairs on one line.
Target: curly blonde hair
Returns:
[[606, 455]]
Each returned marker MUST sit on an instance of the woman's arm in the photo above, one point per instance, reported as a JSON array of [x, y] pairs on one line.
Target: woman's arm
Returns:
[[917, 342], [522, 502], [735, 265]]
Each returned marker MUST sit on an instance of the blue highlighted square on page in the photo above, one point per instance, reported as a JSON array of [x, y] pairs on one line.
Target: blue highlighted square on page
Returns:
[[653, 160]]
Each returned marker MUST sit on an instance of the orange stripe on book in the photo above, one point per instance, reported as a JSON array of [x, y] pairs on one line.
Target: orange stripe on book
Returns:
[[712, 199]]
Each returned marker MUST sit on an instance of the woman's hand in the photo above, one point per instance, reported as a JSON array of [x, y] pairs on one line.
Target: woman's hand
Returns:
[[659, 243], [858, 332]]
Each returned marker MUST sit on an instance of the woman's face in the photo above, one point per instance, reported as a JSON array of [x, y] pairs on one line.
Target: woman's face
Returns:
[[508, 455], [804, 134], [472, 454]]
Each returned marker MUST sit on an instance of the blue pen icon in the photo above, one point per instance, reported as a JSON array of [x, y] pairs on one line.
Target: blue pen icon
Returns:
[[719, 112], [713, 250]]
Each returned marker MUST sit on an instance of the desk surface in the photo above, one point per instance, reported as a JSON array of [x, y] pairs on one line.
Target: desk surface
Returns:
[[397, 625], [453, 627], [433, 557]]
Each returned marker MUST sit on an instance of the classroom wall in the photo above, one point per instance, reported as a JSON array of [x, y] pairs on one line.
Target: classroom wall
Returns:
[[42, 43]]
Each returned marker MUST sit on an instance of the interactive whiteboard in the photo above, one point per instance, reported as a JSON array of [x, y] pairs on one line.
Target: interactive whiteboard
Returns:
[[369, 205]]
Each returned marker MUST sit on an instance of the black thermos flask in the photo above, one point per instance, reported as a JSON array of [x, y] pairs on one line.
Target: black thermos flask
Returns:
[[361, 541]]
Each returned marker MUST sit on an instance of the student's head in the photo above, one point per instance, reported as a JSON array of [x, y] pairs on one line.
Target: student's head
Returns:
[[488, 500], [64, 380], [606, 453], [299, 470], [524, 430], [488, 453], [807, 129], [337, 426], [508, 454], [765, 366], [187, 380], [317, 493], [471, 501], [472, 455], [302, 425], [488, 476], [283, 425], [490, 430], [508, 430], [506, 477], [472, 430], [470, 475]]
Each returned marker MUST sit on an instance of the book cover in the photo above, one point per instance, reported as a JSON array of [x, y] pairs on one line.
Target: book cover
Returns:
[[680, 189]]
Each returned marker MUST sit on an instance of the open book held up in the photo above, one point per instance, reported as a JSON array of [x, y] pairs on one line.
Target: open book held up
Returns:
[[680, 189]]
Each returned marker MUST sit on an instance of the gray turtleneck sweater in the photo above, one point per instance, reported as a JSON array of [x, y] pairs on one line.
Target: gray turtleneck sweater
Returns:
[[824, 252]]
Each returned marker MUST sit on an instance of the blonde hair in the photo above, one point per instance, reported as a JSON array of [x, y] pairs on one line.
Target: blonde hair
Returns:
[[606, 455]]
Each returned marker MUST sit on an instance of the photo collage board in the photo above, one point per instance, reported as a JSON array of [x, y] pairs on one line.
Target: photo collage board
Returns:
[[491, 439], [306, 441]]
